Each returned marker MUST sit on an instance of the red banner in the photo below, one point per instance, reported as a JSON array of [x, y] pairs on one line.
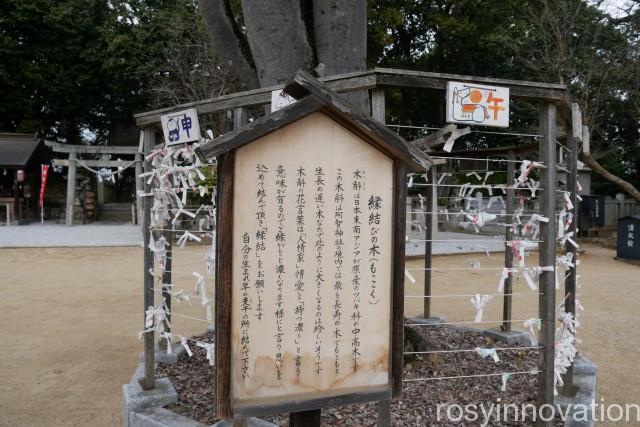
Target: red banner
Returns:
[[44, 172]]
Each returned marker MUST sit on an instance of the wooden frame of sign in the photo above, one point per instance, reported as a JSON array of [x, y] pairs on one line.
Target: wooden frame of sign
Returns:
[[269, 347]]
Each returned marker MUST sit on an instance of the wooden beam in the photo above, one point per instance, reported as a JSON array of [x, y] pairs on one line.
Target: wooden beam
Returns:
[[518, 89], [339, 83], [90, 149], [547, 299], [371, 79], [94, 163]]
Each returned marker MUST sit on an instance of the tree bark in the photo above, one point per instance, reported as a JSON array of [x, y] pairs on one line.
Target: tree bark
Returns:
[[340, 36], [278, 39], [227, 40], [600, 170]]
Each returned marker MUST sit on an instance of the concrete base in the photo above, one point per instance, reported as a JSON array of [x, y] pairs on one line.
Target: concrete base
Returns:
[[510, 337], [418, 320], [142, 408], [135, 399], [161, 417], [584, 380]]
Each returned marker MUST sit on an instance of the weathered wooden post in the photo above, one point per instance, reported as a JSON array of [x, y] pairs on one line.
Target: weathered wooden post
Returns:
[[570, 281], [166, 281], [148, 381], [547, 299], [430, 224], [508, 236], [139, 186], [71, 188]]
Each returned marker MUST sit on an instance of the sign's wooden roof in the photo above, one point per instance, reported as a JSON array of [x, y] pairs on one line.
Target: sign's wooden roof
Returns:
[[313, 96]]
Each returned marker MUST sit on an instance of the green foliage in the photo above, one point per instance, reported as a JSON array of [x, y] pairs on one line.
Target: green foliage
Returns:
[[567, 41], [69, 65]]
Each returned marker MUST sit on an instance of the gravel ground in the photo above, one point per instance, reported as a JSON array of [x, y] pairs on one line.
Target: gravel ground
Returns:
[[192, 378]]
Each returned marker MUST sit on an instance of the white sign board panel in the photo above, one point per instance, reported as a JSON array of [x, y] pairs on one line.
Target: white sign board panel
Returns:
[[181, 127], [279, 100], [312, 265], [474, 104]]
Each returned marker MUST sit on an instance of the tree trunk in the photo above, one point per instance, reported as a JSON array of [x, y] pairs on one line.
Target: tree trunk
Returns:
[[340, 36], [227, 41], [278, 39], [600, 170]]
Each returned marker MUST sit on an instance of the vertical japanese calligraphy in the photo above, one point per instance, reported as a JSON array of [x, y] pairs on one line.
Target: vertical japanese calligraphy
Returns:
[[280, 239], [319, 278], [299, 277], [245, 323], [312, 264], [356, 273]]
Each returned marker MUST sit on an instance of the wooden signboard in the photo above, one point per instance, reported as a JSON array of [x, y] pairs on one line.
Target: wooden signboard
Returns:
[[474, 104], [311, 229]]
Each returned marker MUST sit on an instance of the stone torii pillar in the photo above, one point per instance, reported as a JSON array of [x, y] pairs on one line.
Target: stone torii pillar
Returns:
[[71, 189]]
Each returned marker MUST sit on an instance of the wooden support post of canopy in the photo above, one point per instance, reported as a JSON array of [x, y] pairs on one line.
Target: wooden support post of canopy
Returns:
[[570, 281], [547, 300], [148, 380], [508, 236]]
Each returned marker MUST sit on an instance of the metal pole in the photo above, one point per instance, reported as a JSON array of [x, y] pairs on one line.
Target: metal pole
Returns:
[[71, 188], [148, 381], [508, 253], [570, 282], [547, 300]]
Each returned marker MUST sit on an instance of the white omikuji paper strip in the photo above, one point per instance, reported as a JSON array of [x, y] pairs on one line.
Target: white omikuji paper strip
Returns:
[[505, 378], [532, 325], [479, 302], [409, 276], [180, 296], [185, 344], [504, 275], [567, 201], [525, 169], [187, 235], [488, 352], [532, 275], [455, 134], [210, 348]]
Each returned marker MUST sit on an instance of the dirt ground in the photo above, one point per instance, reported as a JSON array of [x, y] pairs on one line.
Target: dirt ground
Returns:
[[69, 319]]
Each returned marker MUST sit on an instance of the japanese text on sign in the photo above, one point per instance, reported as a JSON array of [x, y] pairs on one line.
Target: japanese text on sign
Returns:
[[474, 104]]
